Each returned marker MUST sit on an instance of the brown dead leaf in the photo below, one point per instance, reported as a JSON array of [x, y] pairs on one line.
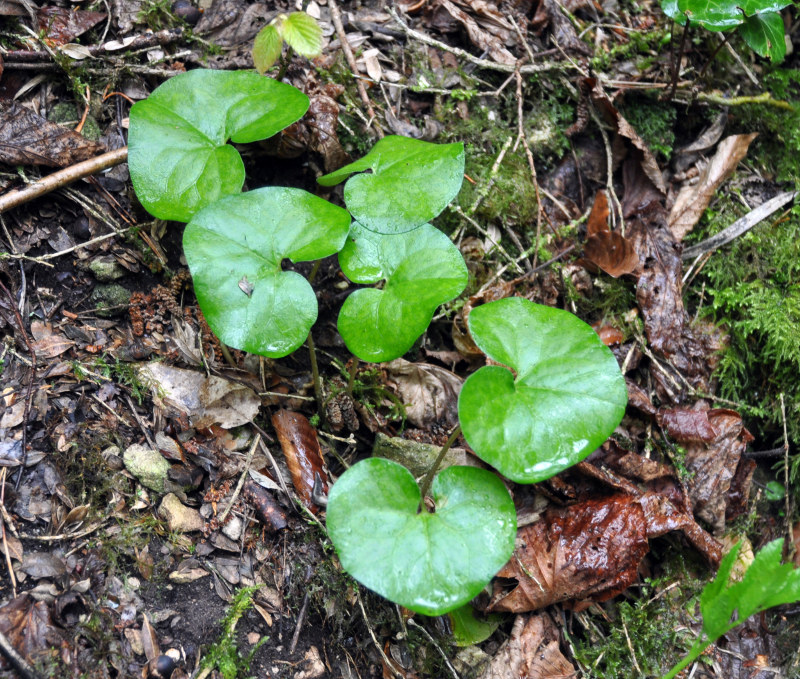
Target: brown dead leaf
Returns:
[[612, 252], [206, 400], [303, 455], [322, 119], [47, 343], [488, 32], [588, 551], [429, 392], [531, 651], [28, 624], [562, 30], [29, 139], [714, 465], [693, 199], [60, 25], [268, 511], [598, 217], [149, 639], [684, 424]]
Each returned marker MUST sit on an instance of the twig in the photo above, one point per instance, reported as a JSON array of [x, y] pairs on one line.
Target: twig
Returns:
[[242, 477], [146, 433], [609, 173], [336, 18], [482, 63], [388, 663], [428, 480], [436, 646], [7, 554], [787, 495], [457, 209], [764, 98], [740, 226], [62, 178], [301, 616], [29, 392]]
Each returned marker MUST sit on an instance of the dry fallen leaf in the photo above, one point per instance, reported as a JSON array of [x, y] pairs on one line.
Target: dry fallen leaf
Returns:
[[206, 400], [29, 139], [28, 625], [693, 199], [303, 455], [483, 33], [429, 392]]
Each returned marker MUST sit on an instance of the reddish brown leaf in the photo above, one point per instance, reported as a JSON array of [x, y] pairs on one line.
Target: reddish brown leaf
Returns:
[[531, 651], [612, 252], [714, 464], [638, 398], [29, 139], [62, 25], [598, 217], [268, 511], [684, 424], [588, 551], [28, 624], [609, 334], [303, 455]]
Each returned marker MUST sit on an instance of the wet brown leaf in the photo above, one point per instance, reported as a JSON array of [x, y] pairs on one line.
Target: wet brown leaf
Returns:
[[684, 424], [588, 551], [714, 465], [28, 624], [612, 252], [29, 139], [638, 398], [531, 651], [429, 392], [693, 199], [300, 446], [268, 511], [60, 25], [608, 334], [598, 217]]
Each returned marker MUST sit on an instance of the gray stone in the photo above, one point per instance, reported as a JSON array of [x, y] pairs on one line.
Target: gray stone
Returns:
[[147, 465], [418, 457], [110, 300], [179, 517], [106, 269]]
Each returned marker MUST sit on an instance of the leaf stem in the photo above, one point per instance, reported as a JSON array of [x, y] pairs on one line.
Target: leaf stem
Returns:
[[285, 62], [694, 653], [352, 377], [428, 480], [312, 354]]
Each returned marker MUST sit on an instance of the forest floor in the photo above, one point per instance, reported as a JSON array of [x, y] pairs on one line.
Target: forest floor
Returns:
[[604, 148]]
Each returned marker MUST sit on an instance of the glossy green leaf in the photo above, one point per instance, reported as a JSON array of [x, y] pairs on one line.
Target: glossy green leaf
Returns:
[[567, 398], [410, 182], [302, 33], [719, 15], [428, 562], [234, 249], [422, 270], [775, 491], [470, 628], [178, 154], [764, 33], [267, 48]]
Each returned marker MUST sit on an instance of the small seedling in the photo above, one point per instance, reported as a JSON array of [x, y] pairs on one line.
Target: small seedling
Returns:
[[759, 21], [724, 604], [298, 30]]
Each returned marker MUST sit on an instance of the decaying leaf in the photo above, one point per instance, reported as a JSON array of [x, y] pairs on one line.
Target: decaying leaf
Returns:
[[562, 30], [29, 139], [684, 424], [268, 511], [300, 446], [588, 551], [693, 199], [61, 25], [46, 342], [486, 31], [429, 392], [531, 651], [205, 400], [609, 250], [28, 624], [714, 466]]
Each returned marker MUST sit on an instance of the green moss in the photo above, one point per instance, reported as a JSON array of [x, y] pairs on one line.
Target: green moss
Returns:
[[654, 121]]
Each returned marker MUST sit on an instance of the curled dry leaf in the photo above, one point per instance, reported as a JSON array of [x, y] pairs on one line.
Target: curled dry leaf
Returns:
[[693, 199], [268, 511], [29, 139], [429, 392], [589, 551], [714, 466], [531, 651], [206, 400], [300, 446], [488, 32]]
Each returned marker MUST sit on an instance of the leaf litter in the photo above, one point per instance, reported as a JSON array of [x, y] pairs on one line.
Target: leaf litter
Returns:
[[202, 425]]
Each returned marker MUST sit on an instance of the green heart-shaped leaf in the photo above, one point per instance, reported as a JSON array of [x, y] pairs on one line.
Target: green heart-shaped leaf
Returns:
[[566, 400], [177, 152], [410, 182], [719, 15], [422, 269], [428, 562], [764, 33], [234, 249], [469, 628]]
